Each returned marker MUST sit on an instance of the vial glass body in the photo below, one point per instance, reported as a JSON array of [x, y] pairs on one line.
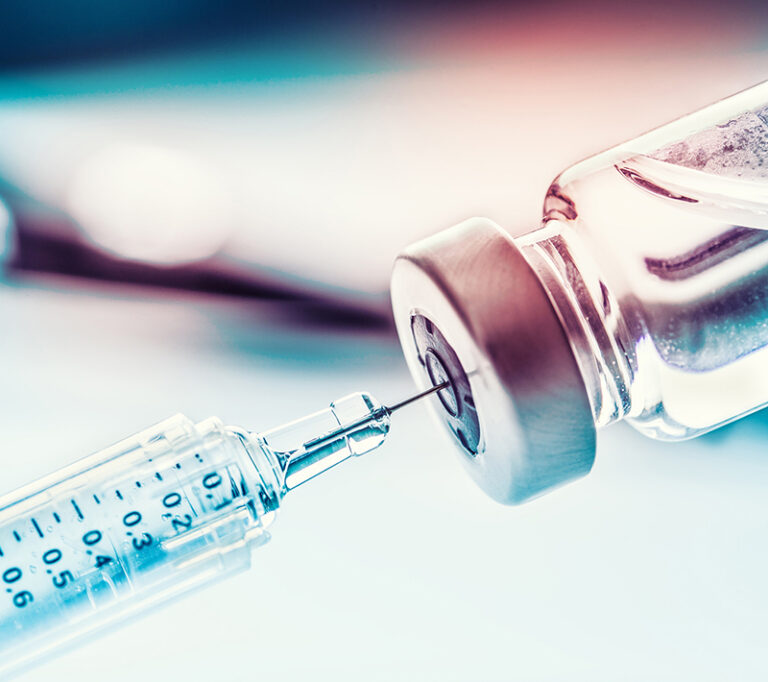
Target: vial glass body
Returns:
[[655, 255]]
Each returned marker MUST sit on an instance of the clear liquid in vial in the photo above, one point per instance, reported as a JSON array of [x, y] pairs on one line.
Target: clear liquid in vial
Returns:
[[680, 239]]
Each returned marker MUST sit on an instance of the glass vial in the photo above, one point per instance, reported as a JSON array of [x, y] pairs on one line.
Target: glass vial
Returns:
[[652, 257]]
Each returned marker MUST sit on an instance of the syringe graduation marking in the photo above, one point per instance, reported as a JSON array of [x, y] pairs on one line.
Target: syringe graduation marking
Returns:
[[100, 552]]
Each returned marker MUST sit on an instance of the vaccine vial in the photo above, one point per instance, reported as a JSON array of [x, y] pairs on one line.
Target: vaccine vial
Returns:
[[643, 295]]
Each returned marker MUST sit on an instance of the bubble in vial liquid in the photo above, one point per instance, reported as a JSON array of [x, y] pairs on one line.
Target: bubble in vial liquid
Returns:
[[737, 148]]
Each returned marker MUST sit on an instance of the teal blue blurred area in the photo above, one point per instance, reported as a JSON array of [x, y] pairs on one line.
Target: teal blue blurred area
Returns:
[[65, 31], [239, 63]]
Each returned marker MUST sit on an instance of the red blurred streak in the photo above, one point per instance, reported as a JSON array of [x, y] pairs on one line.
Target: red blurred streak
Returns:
[[562, 29]]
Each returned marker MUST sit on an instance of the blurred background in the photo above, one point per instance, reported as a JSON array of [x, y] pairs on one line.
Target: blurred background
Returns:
[[200, 203]]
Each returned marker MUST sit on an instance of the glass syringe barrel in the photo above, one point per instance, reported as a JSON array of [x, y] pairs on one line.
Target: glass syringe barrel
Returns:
[[159, 514]]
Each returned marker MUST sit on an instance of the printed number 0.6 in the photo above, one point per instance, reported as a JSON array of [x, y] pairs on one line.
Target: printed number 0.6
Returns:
[[21, 599]]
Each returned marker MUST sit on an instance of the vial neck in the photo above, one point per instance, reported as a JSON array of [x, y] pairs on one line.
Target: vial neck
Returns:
[[589, 314]]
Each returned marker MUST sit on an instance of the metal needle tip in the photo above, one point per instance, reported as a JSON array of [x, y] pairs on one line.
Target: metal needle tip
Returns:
[[418, 396]]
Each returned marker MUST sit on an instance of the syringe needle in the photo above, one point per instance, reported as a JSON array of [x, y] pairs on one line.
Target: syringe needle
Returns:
[[418, 396], [374, 415], [354, 433]]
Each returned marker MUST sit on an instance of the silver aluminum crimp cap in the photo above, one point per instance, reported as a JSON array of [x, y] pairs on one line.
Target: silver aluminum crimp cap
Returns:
[[470, 309]]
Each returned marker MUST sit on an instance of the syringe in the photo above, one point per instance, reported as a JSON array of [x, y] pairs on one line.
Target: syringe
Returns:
[[161, 513]]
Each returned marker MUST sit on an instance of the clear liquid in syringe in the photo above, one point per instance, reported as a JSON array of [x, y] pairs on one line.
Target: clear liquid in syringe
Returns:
[[86, 547]]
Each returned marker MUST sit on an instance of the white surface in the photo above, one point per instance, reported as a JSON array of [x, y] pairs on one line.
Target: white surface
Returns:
[[394, 567]]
